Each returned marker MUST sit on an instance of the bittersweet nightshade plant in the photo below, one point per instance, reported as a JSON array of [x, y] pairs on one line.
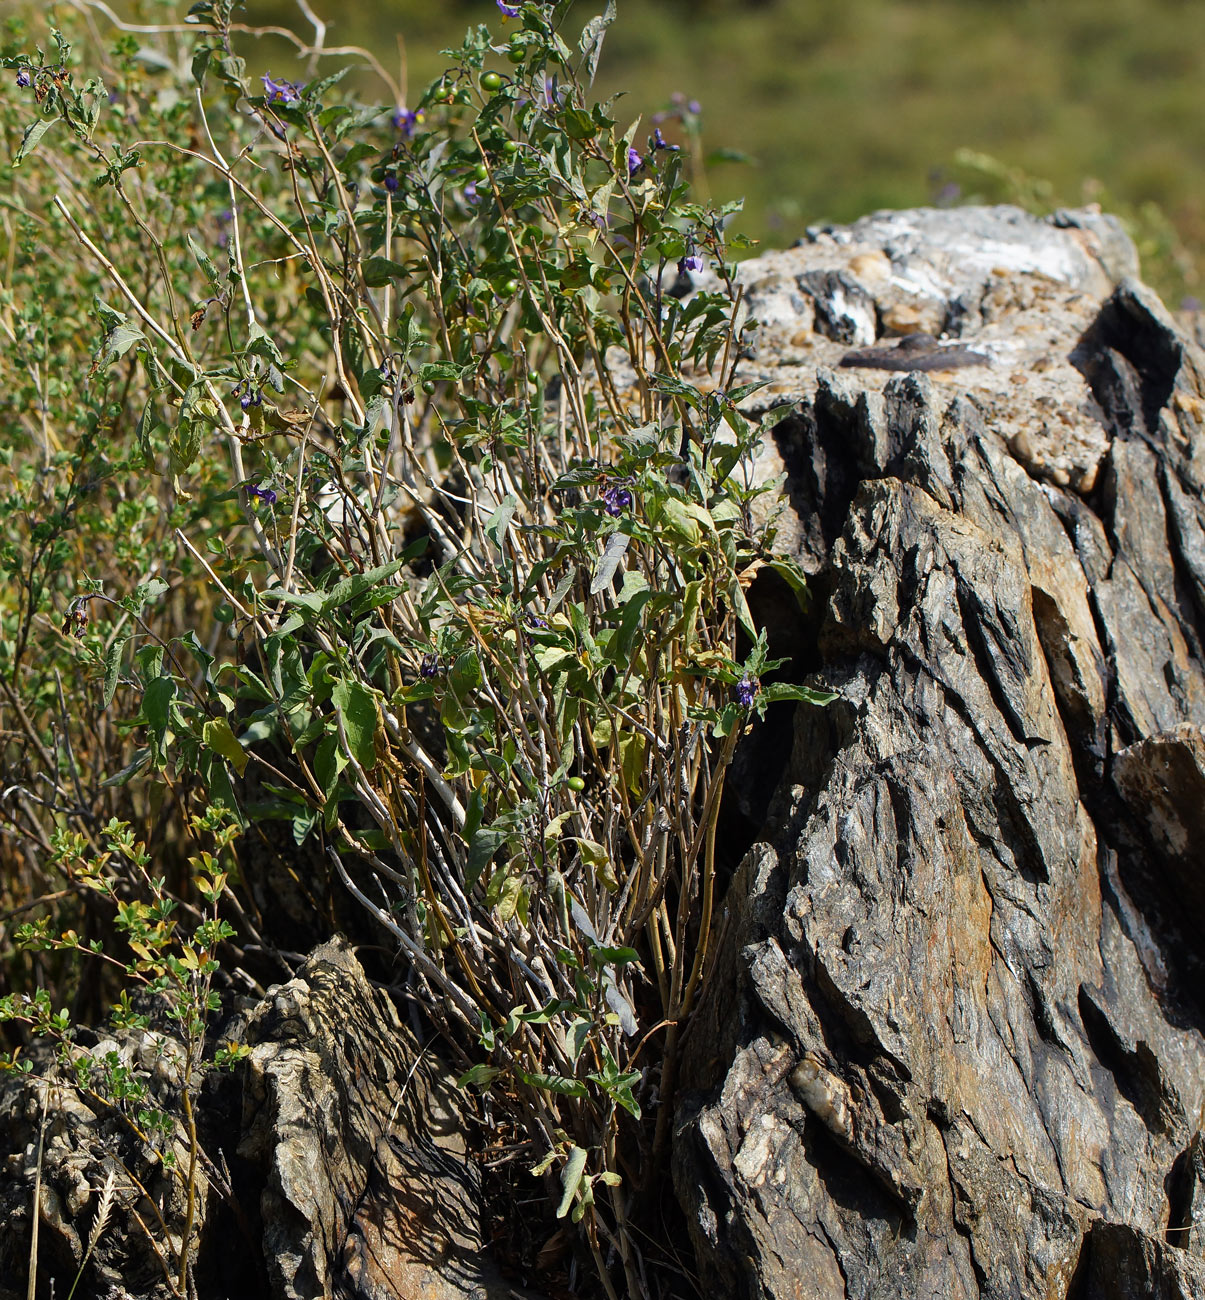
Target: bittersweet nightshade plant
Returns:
[[450, 349]]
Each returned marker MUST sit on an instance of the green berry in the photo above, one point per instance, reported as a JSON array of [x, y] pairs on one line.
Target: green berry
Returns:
[[491, 82], [516, 54], [481, 172], [575, 783], [511, 147]]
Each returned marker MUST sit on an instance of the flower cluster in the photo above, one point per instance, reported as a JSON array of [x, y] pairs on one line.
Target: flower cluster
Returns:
[[248, 396], [746, 691], [406, 119], [283, 92], [431, 666], [616, 499], [681, 106]]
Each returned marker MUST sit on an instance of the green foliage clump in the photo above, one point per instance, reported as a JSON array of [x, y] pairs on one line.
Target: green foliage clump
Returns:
[[377, 472]]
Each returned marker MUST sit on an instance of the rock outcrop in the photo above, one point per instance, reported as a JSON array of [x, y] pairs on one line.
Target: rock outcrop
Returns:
[[959, 1040], [335, 1166]]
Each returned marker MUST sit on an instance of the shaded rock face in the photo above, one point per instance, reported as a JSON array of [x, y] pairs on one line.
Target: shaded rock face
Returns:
[[335, 1166], [956, 1050]]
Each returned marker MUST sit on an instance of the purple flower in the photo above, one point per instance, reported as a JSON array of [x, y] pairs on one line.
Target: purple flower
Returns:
[[406, 119], [470, 193], [534, 620], [660, 142], [287, 92], [261, 494], [510, 11], [247, 396], [691, 262], [746, 691], [391, 182], [23, 78], [694, 107], [635, 161], [616, 499], [430, 666]]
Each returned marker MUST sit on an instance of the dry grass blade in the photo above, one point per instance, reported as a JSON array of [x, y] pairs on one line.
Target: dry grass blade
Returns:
[[32, 1285]]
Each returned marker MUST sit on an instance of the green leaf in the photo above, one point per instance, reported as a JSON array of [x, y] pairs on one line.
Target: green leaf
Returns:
[[496, 525], [571, 1177], [553, 1083], [184, 445], [156, 709], [480, 1076], [613, 552], [29, 141], [378, 271], [200, 64], [147, 424], [358, 709], [118, 341], [482, 847], [311, 600], [329, 761], [113, 668], [592, 39], [784, 691], [442, 370], [613, 956], [347, 589], [205, 262], [510, 898], [218, 736]]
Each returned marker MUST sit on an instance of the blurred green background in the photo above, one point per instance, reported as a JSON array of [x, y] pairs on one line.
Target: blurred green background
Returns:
[[850, 105]]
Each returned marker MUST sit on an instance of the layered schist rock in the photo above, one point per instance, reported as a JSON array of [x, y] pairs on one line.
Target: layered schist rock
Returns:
[[957, 1049]]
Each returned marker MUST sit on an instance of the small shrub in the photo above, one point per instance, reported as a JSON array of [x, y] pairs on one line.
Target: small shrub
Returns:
[[407, 476]]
